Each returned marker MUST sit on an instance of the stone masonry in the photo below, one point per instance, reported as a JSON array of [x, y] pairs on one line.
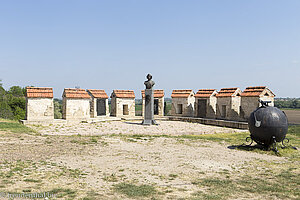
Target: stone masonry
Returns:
[[228, 103], [123, 103], [76, 104], [206, 103], [99, 103], [183, 103], [82, 105], [250, 100]]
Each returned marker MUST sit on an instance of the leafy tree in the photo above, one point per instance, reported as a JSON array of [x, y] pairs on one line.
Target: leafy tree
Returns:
[[16, 91], [17, 105], [19, 113], [287, 103], [2, 93], [57, 108], [5, 110], [12, 103]]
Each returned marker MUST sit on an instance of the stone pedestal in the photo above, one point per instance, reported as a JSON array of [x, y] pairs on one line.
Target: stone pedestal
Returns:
[[149, 108]]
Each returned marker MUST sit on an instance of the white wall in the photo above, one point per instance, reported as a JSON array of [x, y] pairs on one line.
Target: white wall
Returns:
[[39, 109]]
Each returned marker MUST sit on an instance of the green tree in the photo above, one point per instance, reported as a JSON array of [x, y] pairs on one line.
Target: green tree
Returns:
[[17, 105], [19, 113], [16, 91], [5, 110], [57, 108]]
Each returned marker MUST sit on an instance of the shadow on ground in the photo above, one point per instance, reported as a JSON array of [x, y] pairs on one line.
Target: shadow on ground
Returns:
[[135, 123], [247, 147]]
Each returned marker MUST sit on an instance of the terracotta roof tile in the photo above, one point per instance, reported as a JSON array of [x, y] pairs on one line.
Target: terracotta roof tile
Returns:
[[205, 92], [255, 91], [157, 93], [123, 94], [39, 92], [73, 93], [227, 92], [101, 94], [181, 93]]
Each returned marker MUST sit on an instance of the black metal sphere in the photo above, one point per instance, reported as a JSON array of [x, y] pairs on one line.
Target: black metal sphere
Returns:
[[266, 122]]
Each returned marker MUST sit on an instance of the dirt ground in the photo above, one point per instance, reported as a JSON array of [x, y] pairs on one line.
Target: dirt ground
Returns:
[[132, 127], [293, 116], [92, 158]]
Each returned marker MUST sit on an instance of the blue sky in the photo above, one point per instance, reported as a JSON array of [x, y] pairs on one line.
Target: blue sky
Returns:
[[184, 44]]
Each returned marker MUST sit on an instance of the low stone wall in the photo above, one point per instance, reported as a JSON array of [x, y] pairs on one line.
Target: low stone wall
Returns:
[[213, 122]]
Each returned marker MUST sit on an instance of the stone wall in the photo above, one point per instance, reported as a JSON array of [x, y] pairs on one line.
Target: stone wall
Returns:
[[76, 109], [187, 106], [232, 105], [93, 107], [235, 108], [249, 104], [39, 109], [117, 107], [211, 107]]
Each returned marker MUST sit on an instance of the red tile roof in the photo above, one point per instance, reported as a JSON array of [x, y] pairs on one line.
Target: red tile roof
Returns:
[[205, 92], [181, 93], [227, 92], [39, 92], [123, 94], [101, 94], [157, 93], [73, 93], [255, 91]]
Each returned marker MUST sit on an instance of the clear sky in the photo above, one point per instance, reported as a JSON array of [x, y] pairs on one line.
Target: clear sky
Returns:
[[184, 44]]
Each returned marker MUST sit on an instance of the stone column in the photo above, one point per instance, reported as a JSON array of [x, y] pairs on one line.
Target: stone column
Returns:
[[149, 102], [149, 108]]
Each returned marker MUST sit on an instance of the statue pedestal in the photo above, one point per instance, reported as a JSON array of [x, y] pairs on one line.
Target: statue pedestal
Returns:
[[149, 108]]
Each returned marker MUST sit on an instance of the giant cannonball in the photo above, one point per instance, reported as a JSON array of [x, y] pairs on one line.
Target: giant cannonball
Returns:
[[266, 122]]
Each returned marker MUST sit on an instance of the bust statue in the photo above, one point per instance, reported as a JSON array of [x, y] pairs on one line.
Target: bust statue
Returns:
[[149, 83]]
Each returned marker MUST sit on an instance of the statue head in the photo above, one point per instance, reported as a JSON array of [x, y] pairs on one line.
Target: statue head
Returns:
[[149, 77]]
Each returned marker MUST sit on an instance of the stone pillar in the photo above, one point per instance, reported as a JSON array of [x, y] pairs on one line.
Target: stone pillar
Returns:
[[149, 108]]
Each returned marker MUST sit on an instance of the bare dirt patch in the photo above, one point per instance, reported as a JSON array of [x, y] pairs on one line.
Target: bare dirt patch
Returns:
[[293, 116]]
